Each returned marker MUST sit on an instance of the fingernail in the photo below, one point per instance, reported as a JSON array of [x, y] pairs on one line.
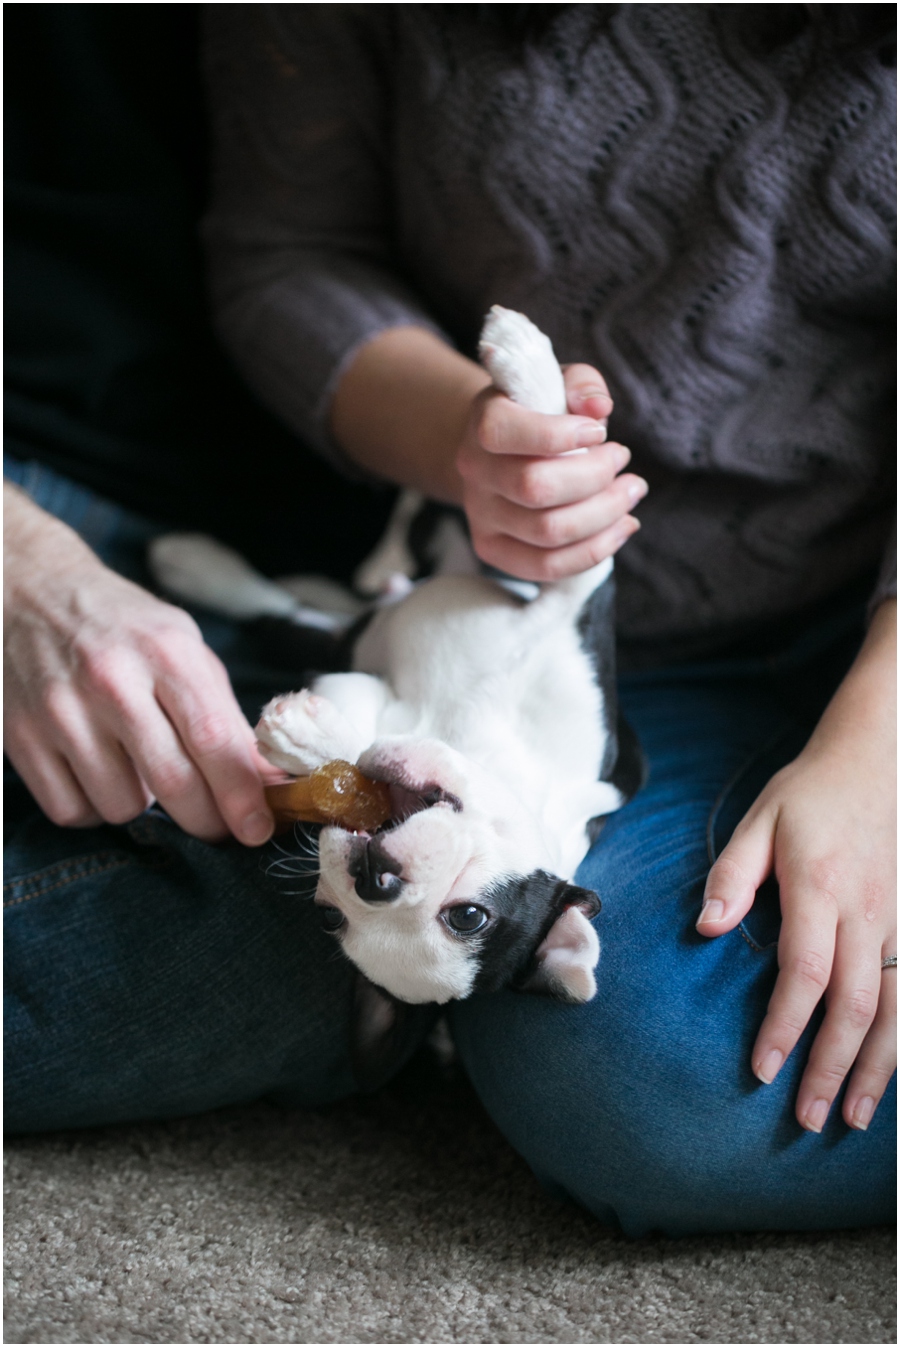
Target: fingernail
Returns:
[[591, 433], [620, 457], [712, 910], [592, 391], [770, 1066], [814, 1118], [256, 829], [637, 490], [862, 1114]]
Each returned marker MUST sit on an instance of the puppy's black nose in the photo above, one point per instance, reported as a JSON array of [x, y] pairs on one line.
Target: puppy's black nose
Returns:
[[377, 875]]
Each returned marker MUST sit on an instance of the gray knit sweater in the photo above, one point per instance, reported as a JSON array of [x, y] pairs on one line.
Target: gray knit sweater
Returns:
[[706, 218]]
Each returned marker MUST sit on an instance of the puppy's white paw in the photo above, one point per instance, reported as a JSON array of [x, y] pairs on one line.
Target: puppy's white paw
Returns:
[[302, 730], [519, 358]]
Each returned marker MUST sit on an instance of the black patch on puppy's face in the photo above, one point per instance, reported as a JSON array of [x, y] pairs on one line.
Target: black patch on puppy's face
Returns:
[[522, 908]]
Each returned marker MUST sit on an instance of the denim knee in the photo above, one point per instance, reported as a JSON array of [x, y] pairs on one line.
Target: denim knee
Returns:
[[641, 1105]]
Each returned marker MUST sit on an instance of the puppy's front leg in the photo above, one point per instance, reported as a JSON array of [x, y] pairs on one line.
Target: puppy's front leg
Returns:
[[336, 718]]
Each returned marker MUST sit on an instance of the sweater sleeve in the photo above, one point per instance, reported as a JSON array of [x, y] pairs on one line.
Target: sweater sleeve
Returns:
[[298, 233]]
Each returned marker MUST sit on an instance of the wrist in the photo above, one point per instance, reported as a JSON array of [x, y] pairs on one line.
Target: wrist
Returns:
[[862, 715], [38, 547], [402, 408]]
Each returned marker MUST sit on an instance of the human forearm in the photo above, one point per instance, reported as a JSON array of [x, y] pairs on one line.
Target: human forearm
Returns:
[[402, 408], [864, 709], [34, 542]]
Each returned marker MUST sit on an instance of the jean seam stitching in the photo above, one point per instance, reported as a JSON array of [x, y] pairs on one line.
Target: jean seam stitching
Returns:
[[38, 889], [89, 857], [754, 945]]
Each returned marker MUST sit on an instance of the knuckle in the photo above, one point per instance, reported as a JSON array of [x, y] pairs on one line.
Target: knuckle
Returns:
[[788, 1025], [171, 778], [860, 1007], [826, 877], [551, 529], [171, 651], [554, 566], [104, 674], [124, 810], [830, 1075], [211, 733], [536, 487], [726, 874], [809, 967], [599, 548], [70, 813], [484, 545], [101, 667], [881, 1073], [57, 703], [491, 427]]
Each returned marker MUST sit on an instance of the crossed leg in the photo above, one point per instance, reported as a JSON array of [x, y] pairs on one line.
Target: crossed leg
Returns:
[[641, 1104]]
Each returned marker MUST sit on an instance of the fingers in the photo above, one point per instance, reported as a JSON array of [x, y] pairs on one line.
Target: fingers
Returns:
[[166, 765], [219, 745], [546, 518], [174, 714], [507, 428], [535, 563], [545, 483], [96, 760], [112, 698], [103, 750], [852, 1000], [564, 524], [877, 1060], [805, 957], [52, 783], [743, 866], [543, 494], [586, 392]]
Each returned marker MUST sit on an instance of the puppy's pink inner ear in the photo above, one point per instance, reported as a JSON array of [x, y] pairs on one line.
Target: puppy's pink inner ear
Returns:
[[566, 959]]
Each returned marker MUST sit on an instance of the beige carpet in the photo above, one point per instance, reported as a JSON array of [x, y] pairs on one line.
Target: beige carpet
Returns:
[[402, 1217]]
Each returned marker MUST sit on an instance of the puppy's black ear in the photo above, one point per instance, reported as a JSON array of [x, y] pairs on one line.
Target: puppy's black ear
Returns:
[[385, 1033], [573, 895], [565, 960]]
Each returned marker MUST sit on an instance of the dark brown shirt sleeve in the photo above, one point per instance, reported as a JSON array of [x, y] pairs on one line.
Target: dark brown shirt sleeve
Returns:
[[298, 236]]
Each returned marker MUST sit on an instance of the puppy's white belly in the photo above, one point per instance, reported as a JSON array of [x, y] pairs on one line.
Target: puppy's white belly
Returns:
[[509, 688]]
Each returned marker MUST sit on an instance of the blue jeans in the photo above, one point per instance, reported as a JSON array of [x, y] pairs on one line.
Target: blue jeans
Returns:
[[150, 975]]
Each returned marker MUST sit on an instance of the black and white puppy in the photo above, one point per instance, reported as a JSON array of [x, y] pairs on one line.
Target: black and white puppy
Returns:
[[494, 721]]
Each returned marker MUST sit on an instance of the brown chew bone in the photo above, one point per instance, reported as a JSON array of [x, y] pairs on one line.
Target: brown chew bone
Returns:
[[336, 793]]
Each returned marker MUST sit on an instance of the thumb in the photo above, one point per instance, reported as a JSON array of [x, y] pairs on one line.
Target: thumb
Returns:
[[586, 392], [740, 870]]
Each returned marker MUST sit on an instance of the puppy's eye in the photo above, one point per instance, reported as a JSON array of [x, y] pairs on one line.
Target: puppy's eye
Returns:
[[466, 918], [332, 918]]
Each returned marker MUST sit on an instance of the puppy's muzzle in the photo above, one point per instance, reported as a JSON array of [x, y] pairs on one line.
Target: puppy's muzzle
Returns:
[[377, 875]]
